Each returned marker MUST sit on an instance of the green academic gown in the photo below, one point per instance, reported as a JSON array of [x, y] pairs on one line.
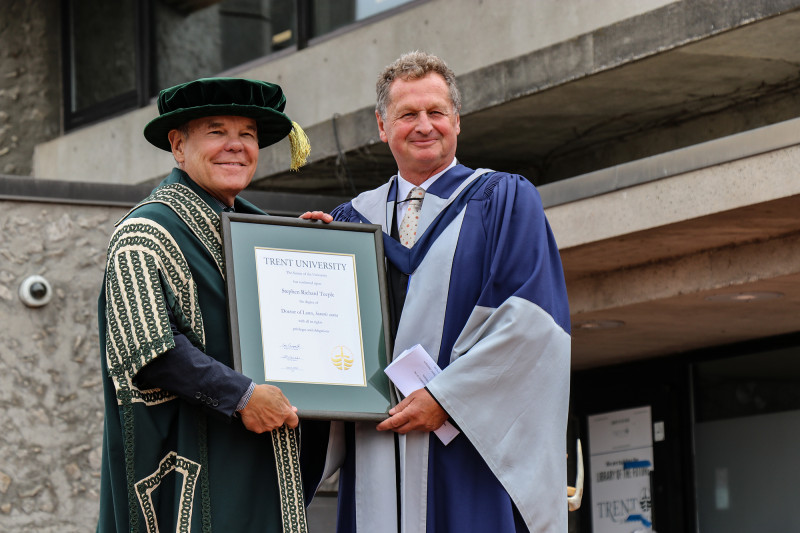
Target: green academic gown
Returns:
[[169, 465]]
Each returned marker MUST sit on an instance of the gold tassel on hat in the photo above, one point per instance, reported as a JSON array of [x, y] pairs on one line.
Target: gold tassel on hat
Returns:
[[300, 146]]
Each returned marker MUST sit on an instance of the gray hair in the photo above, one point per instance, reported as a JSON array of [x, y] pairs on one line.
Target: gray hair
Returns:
[[413, 66]]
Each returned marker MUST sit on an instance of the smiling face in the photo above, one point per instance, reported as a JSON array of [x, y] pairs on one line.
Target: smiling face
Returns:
[[219, 153], [420, 126]]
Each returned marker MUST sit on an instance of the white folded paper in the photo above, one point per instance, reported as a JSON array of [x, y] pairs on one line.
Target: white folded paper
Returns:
[[412, 370]]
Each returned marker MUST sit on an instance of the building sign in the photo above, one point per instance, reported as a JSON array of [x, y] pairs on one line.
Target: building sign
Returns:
[[621, 458]]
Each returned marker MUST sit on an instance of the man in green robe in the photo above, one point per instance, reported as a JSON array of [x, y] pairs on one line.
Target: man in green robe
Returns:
[[189, 444]]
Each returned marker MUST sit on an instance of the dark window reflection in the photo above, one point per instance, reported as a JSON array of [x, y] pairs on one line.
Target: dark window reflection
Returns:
[[748, 385], [256, 28], [329, 15], [103, 54]]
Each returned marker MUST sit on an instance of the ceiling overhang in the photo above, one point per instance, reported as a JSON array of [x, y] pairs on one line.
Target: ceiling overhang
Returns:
[[671, 78]]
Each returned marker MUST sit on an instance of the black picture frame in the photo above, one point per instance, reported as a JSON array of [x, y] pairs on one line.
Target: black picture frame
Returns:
[[243, 235]]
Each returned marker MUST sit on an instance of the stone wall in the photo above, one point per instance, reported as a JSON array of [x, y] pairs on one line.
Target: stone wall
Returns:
[[50, 385], [30, 80]]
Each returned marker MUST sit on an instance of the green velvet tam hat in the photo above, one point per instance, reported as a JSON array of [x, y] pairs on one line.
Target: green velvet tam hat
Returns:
[[210, 97]]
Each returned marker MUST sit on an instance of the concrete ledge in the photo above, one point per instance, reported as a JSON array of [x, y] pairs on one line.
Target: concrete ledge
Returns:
[[708, 270], [105, 194], [699, 156], [621, 202]]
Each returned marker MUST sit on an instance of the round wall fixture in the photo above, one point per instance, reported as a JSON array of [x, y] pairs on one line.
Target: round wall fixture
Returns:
[[750, 296], [35, 291]]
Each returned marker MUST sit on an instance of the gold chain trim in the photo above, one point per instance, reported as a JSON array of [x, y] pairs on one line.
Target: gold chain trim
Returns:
[[290, 483], [138, 327], [145, 488]]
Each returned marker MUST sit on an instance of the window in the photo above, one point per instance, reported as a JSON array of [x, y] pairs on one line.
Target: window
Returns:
[[256, 28], [329, 15], [117, 55], [104, 60]]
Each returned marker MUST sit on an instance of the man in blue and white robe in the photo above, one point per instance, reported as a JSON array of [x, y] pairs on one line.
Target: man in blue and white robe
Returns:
[[482, 290]]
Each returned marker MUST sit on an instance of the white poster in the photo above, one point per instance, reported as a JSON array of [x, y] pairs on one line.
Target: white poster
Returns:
[[621, 458], [310, 319]]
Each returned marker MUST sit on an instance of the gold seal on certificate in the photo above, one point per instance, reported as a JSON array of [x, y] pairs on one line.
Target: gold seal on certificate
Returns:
[[342, 358], [308, 302]]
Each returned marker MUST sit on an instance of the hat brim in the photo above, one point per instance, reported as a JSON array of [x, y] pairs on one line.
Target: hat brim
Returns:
[[272, 125]]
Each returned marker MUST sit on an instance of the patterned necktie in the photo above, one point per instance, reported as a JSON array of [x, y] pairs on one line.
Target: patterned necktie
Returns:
[[408, 226]]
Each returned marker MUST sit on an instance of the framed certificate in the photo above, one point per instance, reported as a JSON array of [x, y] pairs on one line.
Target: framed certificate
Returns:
[[308, 312]]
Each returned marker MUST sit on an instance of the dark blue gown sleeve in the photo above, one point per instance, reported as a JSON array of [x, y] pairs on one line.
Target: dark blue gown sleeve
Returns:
[[194, 376]]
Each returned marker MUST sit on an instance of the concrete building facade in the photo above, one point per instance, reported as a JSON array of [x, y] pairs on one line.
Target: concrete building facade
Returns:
[[664, 138]]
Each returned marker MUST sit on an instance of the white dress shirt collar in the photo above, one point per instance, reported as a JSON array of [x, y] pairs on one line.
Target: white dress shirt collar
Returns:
[[404, 187]]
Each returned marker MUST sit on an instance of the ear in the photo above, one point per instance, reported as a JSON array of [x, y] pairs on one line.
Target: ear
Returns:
[[458, 124], [384, 138], [176, 141]]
